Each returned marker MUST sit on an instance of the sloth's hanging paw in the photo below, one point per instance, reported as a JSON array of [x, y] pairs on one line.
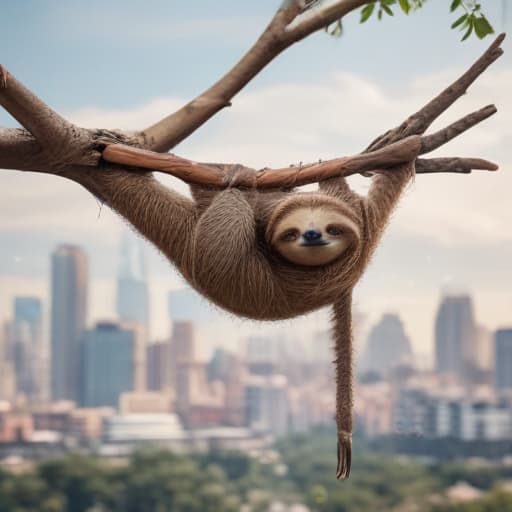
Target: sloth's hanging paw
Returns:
[[344, 455]]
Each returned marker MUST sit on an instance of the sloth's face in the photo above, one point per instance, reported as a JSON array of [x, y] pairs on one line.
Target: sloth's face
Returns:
[[313, 236]]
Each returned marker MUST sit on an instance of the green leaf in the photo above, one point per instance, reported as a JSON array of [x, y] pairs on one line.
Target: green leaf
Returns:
[[405, 5], [455, 4], [482, 27], [470, 24], [460, 20], [367, 12], [387, 10], [379, 14], [388, 2]]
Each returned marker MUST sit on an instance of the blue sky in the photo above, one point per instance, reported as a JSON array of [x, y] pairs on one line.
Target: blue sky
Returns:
[[123, 64]]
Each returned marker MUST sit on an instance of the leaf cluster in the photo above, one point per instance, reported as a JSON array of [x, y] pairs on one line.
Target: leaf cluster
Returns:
[[471, 21]]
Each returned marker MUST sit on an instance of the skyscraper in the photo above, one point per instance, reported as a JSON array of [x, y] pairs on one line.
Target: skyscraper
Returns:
[[29, 352], [132, 288], [69, 276], [183, 341], [29, 310], [158, 372], [165, 358], [182, 361], [267, 403], [108, 364], [387, 346], [503, 346], [455, 336]]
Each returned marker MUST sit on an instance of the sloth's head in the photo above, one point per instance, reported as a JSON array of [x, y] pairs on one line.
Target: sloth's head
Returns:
[[312, 229]]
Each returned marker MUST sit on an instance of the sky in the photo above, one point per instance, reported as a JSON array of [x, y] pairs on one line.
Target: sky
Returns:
[[119, 64]]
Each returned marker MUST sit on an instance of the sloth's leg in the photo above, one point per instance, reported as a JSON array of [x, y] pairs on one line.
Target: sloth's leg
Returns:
[[164, 217]]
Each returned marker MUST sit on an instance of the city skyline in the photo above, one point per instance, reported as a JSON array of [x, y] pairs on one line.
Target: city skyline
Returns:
[[134, 390]]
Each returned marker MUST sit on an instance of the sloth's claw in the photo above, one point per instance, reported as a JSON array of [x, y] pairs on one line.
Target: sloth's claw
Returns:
[[344, 455]]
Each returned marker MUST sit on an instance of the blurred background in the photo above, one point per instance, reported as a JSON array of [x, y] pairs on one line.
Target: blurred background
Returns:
[[122, 389]]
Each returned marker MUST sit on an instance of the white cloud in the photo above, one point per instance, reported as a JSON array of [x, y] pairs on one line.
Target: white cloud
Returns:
[[133, 119]]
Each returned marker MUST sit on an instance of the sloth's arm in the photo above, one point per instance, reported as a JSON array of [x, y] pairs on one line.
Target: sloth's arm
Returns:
[[385, 191], [164, 217], [339, 188]]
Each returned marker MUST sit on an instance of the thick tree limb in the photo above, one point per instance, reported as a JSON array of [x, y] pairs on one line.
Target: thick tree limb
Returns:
[[168, 132], [418, 123]]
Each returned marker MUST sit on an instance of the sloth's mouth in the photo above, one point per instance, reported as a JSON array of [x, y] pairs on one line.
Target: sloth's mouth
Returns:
[[313, 243]]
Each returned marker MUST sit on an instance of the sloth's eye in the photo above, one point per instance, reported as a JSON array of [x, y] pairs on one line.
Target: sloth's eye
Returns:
[[290, 236], [334, 230]]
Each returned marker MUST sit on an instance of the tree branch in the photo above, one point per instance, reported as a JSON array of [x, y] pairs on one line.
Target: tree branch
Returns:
[[382, 155], [39, 119], [171, 130], [453, 164], [437, 139]]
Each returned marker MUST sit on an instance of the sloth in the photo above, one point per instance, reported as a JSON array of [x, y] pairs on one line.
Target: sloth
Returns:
[[266, 255]]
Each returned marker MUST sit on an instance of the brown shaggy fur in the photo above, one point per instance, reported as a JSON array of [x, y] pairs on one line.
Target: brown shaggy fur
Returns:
[[219, 242]]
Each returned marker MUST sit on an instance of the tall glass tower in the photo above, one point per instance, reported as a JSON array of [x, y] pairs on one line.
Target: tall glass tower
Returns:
[[132, 289], [69, 278], [29, 353], [455, 336]]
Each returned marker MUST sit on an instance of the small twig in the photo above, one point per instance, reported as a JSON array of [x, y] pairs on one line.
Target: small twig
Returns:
[[453, 164], [437, 139], [320, 17]]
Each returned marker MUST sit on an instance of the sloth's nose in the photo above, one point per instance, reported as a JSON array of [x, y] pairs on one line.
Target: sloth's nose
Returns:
[[311, 235]]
